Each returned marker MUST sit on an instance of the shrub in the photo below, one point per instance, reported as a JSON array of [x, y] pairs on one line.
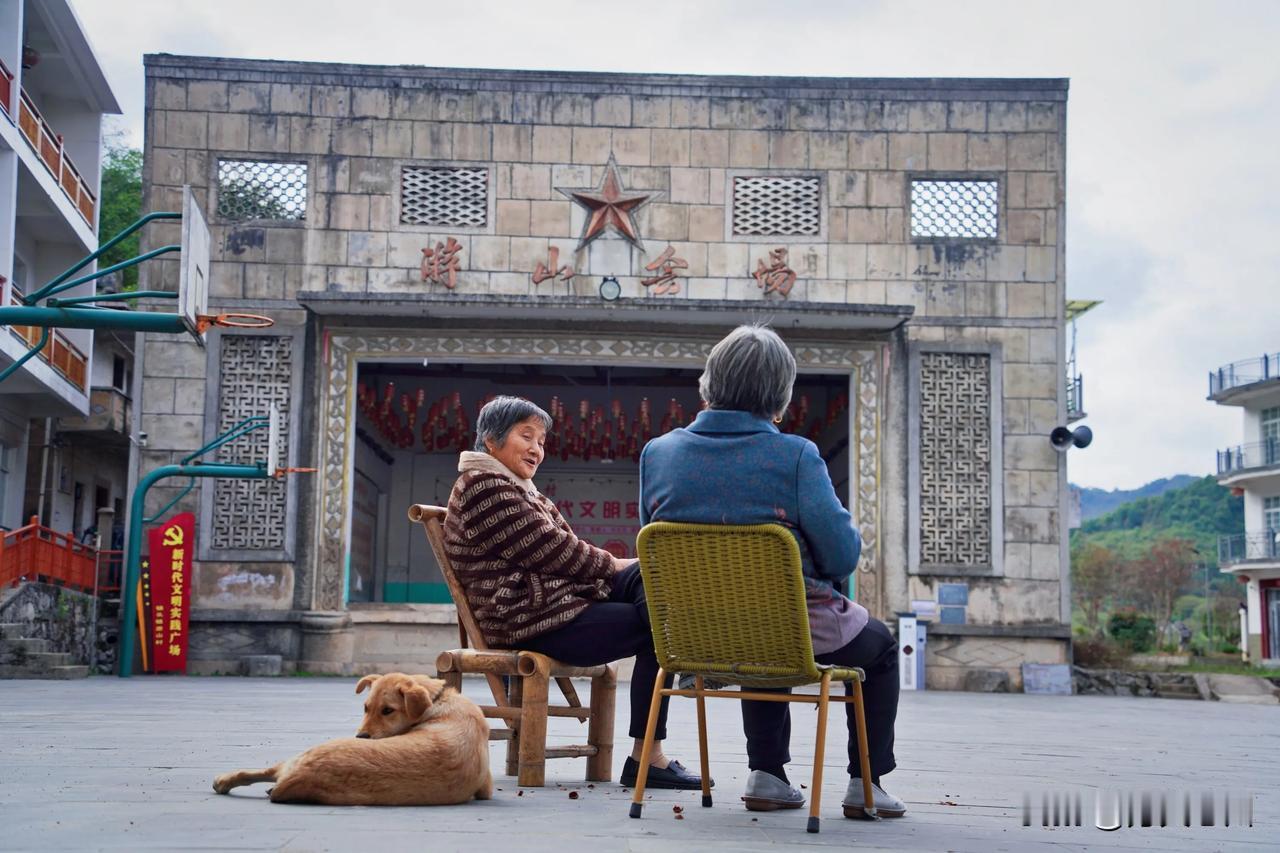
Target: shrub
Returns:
[[1132, 630], [1096, 652]]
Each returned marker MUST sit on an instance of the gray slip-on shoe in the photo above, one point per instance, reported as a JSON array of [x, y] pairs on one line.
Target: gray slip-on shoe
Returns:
[[766, 792], [887, 805]]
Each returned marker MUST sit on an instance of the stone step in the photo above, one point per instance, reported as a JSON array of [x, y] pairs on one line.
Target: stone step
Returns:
[[1179, 692], [55, 672], [23, 645], [11, 630], [48, 660]]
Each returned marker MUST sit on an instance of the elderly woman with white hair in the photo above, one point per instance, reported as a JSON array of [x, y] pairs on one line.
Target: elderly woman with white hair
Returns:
[[532, 584], [733, 466]]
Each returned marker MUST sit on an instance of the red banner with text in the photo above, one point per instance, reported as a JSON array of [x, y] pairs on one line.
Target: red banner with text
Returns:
[[170, 605]]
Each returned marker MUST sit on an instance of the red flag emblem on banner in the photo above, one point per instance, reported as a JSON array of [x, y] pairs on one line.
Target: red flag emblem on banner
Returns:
[[171, 546]]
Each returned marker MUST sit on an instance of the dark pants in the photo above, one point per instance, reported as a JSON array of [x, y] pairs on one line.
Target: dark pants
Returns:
[[611, 630], [768, 724]]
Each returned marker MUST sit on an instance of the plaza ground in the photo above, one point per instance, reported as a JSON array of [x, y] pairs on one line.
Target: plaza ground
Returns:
[[107, 763]]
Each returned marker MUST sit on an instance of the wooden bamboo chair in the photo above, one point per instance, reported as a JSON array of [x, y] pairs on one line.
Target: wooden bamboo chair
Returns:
[[520, 684], [727, 602]]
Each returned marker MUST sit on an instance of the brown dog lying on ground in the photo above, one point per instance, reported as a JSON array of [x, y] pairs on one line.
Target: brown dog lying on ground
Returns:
[[421, 743]]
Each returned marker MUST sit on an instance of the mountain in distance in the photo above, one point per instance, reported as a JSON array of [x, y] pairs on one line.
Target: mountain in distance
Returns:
[[1200, 511], [1096, 502]]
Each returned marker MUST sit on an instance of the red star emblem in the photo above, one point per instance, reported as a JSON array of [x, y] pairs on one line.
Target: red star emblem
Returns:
[[610, 206]]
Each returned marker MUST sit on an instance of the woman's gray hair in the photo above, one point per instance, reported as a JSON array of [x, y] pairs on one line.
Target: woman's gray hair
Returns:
[[500, 414], [751, 370]]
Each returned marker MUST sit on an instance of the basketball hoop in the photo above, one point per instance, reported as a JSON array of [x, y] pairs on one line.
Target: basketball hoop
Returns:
[[283, 471], [233, 320]]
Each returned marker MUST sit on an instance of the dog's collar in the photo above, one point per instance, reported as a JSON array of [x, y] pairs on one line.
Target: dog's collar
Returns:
[[436, 698]]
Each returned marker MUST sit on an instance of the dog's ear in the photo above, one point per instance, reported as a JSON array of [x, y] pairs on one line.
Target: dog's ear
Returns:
[[366, 682], [417, 701]]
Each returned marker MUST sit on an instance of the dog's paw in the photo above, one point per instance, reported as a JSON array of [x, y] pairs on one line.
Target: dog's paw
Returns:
[[222, 784]]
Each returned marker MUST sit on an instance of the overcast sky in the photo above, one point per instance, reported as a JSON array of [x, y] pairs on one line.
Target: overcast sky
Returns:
[[1173, 202]]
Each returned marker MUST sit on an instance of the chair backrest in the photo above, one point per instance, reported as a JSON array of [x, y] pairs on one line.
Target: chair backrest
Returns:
[[728, 599], [432, 519]]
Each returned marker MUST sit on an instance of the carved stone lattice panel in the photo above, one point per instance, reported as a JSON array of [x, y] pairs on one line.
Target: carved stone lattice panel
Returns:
[[773, 206], [955, 209], [955, 459], [444, 196], [337, 414], [255, 374], [261, 189]]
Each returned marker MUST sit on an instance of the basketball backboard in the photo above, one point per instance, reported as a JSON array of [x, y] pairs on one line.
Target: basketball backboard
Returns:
[[193, 278], [275, 442]]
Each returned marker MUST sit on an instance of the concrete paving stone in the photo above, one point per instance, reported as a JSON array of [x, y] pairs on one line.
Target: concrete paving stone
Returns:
[[127, 764]]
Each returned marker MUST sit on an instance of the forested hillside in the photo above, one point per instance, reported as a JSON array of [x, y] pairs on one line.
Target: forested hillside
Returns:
[[1096, 502], [1200, 511]]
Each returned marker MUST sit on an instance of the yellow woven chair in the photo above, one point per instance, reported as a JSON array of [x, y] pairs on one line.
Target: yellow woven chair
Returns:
[[727, 602]]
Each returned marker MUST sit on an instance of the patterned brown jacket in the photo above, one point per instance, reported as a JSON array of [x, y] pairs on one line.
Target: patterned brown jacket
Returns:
[[522, 568]]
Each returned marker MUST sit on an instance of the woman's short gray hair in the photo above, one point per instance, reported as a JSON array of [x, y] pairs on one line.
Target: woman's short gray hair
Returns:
[[751, 370], [500, 414]]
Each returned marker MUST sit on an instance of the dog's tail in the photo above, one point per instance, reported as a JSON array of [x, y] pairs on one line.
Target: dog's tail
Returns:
[[224, 783]]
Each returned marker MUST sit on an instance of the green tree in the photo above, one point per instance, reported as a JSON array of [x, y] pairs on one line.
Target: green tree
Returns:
[[1095, 577], [1166, 573], [120, 205]]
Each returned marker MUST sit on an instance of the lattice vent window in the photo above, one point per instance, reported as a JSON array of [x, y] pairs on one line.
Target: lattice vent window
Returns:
[[454, 197], [255, 373], [769, 206], [960, 210], [261, 189], [955, 459]]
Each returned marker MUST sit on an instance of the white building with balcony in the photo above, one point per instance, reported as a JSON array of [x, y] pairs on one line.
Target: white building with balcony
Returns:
[[1253, 469], [53, 96]]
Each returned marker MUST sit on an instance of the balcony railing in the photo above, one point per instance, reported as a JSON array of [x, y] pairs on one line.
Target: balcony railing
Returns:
[[62, 355], [108, 415], [1260, 454], [1075, 395], [1249, 547], [36, 553], [1245, 372], [48, 147], [6, 90]]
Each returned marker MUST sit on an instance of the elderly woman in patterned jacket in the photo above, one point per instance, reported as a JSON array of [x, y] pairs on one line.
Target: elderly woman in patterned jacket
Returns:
[[534, 585]]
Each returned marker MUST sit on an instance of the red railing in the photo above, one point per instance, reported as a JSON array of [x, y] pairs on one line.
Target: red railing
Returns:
[[62, 355], [6, 90], [36, 553], [48, 145]]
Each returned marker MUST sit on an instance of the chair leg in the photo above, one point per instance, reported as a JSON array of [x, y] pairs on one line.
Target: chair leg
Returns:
[[702, 743], [604, 692], [515, 697], [819, 750], [864, 760], [533, 730], [642, 775]]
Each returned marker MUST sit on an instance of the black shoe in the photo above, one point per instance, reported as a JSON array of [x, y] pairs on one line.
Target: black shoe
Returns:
[[674, 776]]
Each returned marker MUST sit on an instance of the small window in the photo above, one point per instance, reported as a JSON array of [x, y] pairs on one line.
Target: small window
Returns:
[[444, 196], [1271, 514], [770, 206], [120, 374], [261, 189], [955, 210]]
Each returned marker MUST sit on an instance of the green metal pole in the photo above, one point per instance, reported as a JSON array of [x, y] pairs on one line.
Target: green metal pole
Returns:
[[133, 545], [91, 318], [154, 253], [103, 249]]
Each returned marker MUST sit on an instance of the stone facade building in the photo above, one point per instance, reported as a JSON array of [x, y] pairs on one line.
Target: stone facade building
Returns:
[[425, 238]]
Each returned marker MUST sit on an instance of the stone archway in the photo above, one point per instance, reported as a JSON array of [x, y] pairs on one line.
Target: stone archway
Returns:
[[344, 349]]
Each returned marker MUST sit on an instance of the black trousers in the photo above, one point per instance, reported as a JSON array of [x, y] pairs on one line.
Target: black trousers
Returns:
[[768, 724], [611, 630]]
